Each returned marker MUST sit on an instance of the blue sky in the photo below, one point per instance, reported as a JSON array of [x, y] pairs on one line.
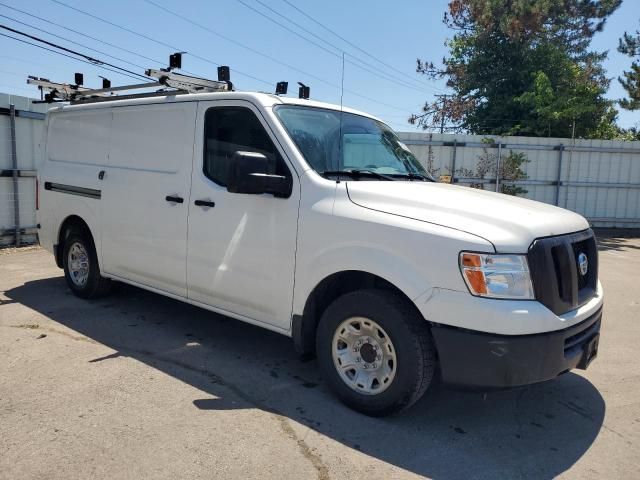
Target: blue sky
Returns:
[[393, 32]]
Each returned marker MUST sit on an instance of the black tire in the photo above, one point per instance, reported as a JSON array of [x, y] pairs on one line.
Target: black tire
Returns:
[[95, 285], [410, 335]]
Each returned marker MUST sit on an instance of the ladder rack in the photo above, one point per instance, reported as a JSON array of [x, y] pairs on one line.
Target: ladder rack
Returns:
[[171, 83]]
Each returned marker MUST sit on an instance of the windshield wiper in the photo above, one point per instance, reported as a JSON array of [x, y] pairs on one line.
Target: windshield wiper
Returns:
[[414, 176], [357, 173]]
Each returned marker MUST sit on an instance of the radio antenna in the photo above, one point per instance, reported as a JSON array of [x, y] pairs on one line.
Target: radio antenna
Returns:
[[341, 98], [342, 83]]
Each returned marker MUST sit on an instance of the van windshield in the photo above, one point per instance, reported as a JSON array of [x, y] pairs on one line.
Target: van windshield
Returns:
[[360, 147]]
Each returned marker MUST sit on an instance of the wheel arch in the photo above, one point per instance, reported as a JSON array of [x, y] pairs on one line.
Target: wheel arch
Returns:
[[70, 223], [304, 326]]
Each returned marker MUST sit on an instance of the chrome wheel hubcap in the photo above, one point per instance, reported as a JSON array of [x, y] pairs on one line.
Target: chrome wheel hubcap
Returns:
[[364, 356], [78, 264]]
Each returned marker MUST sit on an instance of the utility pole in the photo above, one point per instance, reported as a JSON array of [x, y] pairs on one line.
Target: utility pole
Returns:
[[14, 165], [444, 102], [573, 144]]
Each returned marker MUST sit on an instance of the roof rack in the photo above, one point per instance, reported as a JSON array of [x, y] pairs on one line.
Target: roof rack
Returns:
[[172, 83]]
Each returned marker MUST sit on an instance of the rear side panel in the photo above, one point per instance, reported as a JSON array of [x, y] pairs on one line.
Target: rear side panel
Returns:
[[76, 151]]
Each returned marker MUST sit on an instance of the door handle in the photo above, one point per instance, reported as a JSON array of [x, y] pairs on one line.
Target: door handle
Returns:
[[204, 203], [171, 198]]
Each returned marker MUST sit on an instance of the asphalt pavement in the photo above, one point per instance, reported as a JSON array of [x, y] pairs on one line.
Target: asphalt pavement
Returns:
[[137, 385]]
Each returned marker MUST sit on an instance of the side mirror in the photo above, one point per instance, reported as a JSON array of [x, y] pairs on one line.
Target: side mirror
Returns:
[[248, 174]]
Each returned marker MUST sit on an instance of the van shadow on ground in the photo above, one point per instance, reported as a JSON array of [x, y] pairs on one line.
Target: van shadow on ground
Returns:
[[536, 432], [612, 239]]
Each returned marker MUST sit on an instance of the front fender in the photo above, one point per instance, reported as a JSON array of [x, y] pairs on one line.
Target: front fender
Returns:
[[381, 262], [335, 235]]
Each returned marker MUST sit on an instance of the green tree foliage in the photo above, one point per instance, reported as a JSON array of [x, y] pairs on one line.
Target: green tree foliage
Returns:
[[522, 67], [630, 80]]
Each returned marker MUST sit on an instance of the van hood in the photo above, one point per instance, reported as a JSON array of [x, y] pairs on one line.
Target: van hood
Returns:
[[509, 223]]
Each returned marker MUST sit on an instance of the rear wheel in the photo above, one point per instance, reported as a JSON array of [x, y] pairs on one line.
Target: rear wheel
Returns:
[[375, 351], [81, 269]]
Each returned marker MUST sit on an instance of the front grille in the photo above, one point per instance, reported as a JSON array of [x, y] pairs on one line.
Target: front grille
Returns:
[[555, 272]]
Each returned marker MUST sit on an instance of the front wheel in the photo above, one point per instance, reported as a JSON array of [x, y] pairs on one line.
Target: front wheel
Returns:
[[375, 351]]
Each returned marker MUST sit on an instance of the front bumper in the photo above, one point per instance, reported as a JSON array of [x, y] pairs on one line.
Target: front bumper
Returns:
[[502, 317], [476, 360]]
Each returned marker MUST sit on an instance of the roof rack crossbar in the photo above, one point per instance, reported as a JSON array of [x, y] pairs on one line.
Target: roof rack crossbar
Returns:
[[97, 99], [188, 82], [121, 88]]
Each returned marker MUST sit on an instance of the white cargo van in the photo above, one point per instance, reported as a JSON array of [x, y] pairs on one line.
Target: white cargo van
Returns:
[[316, 222]]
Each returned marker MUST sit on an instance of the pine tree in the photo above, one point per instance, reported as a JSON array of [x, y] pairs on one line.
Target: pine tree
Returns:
[[630, 80]]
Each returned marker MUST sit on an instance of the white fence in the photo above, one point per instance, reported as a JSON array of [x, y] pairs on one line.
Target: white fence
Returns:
[[21, 129], [600, 179]]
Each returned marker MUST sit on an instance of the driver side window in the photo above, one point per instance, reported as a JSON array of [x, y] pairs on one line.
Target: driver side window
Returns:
[[231, 129]]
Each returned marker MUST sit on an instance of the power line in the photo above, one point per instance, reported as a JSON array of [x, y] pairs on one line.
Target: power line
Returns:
[[116, 25], [154, 40], [235, 42], [348, 42], [59, 47], [7, 72], [371, 68], [415, 85], [291, 21], [16, 88], [174, 48], [286, 28], [68, 56], [264, 55], [155, 61], [22, 60], [70, 41], [80, 33], [373, 72]]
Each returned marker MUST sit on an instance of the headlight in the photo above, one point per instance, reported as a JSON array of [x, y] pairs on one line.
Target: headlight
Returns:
[[496, 275]]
